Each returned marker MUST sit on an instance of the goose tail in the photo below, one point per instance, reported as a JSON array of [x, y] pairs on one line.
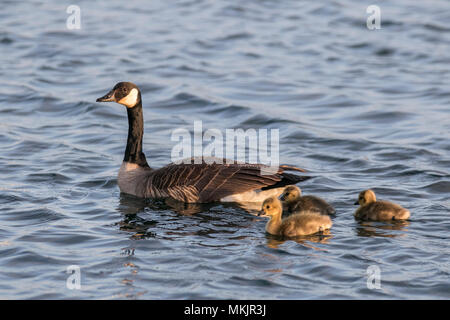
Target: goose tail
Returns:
[[287, 179], [291, 168]]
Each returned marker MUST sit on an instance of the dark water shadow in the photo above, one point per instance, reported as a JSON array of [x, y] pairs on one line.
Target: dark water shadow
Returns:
[[188, 209], [213, 217], [130, 207]]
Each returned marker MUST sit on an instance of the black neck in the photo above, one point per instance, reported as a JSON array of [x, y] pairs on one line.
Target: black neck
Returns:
[[133, 152]]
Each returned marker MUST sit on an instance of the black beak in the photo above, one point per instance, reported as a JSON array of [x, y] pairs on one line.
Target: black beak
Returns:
[[261, 213], [356, 203], [282, 197], [107, 97]]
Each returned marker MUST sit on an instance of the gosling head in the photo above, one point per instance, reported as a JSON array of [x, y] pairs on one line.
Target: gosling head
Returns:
[[291, 194], [271, 207], [125, 93], [365, 197]]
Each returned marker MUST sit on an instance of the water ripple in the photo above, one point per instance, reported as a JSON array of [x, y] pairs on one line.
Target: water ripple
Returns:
[[357, 108]]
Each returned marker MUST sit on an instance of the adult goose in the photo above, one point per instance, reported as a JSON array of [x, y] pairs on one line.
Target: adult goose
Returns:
[[207, 181]]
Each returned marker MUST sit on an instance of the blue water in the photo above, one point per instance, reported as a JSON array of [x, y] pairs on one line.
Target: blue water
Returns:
[[357, 108]]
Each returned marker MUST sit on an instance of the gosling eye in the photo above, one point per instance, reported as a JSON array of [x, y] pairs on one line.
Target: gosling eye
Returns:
[[267, 207], [287, 193]]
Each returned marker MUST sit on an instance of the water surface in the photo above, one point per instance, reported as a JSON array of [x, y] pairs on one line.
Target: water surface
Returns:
[[356, 108]]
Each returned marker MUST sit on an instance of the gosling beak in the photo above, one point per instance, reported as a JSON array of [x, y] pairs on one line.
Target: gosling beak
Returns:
[[261, 213], [107, 97], [282, 197], [356, 203]]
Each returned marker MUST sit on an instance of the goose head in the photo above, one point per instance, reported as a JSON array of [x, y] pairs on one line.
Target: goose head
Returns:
[[365, 197], [271, 207], [124, 93], [291, 194]]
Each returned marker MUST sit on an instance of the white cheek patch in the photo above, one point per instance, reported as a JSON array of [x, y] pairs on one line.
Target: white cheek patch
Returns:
[[131, 99]]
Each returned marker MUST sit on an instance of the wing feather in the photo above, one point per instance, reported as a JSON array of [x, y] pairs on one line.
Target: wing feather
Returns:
[[207, 182]]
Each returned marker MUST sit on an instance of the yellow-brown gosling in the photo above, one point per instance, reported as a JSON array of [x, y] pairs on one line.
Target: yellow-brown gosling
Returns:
[[295, 202], [300, 224], [371, 209]]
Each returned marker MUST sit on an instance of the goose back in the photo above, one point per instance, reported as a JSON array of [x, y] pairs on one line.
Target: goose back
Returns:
[[382, 211], [312, 203], [204, 182], [304, 224]]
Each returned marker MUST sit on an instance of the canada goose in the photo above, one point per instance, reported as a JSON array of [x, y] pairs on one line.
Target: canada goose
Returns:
[[371, 209], [298, 224], [292, 196], [188, 182]]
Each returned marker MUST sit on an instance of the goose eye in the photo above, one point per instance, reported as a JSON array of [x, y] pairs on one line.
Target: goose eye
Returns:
[[267, 207], [287, 193]]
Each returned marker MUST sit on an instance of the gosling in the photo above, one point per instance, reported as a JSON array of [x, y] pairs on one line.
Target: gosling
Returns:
[[371, 209], [295, 202], [300, 224]]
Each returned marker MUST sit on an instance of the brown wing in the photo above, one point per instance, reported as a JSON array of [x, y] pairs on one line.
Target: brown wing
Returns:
[[208, 182]]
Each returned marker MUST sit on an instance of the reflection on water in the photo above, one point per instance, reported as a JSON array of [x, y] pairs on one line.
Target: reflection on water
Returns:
[[323, 238], [187, 208], [356, 108], [251, 207], [129, 207], [381, 229]]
